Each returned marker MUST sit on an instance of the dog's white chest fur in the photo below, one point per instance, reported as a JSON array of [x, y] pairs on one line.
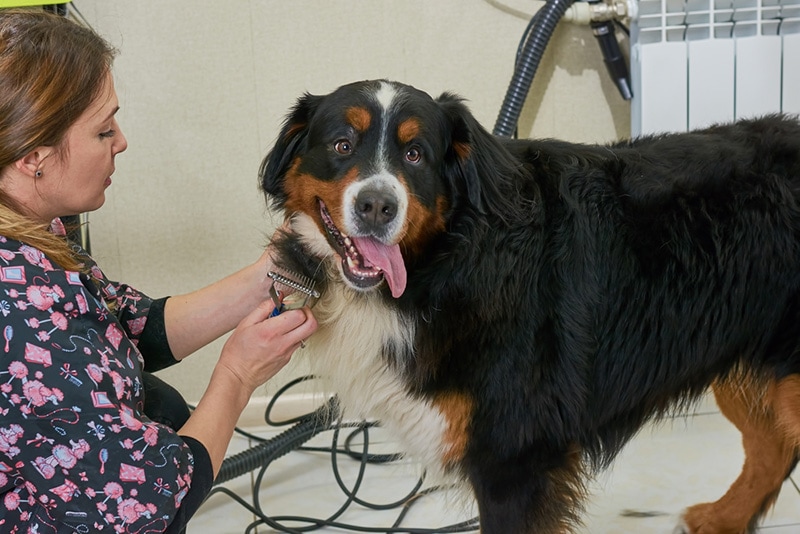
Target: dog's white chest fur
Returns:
[[346, 351]]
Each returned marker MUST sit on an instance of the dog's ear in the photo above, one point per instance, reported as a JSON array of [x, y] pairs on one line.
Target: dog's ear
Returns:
[[459, 152], [289, 144], [479, 168]]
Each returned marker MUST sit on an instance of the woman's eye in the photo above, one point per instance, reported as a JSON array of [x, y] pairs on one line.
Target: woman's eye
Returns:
[[413, 155], [343, 146], [109, 133]]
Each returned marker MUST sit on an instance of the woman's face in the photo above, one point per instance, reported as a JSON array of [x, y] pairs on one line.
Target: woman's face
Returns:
[[75, 181]]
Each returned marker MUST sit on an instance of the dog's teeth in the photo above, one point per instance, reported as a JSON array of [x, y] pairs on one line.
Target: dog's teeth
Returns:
[[348, 242]]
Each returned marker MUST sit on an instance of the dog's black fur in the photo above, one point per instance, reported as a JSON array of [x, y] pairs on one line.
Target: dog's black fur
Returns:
[[570, 292]]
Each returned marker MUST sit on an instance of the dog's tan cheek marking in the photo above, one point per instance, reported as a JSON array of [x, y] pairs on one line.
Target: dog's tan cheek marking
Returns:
[[359, 118], [299, 190], [423, 224], [304, 189], [408, 130], [457, 409]]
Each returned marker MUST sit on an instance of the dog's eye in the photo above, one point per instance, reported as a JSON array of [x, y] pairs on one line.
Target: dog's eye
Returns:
[[343, 147], [413, 155]]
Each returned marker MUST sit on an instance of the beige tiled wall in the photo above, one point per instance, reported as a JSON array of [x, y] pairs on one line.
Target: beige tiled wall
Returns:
[[204, 85]]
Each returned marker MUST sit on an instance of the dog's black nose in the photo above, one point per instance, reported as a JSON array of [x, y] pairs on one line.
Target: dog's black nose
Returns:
[[376, 208]]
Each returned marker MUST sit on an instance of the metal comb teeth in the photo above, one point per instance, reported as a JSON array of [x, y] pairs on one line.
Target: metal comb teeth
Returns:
[[298, 283], [283, 287]]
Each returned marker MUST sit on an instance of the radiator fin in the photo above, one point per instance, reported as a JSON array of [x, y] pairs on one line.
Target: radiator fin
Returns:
[[699, 62]]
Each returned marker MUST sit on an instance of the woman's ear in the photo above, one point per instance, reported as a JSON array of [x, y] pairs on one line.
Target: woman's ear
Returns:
[[31, 163]]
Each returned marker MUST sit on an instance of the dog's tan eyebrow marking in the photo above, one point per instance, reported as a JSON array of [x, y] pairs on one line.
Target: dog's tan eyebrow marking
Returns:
[[408, 130], [359, 118]]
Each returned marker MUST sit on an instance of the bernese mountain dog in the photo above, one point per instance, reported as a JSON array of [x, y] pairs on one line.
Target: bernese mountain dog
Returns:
[[515, 310]]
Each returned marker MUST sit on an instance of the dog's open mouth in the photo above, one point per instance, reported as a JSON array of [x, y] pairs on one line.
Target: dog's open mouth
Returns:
[[366, 262]]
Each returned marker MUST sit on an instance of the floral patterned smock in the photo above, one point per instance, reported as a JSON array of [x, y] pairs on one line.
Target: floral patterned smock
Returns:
[[76, 452]]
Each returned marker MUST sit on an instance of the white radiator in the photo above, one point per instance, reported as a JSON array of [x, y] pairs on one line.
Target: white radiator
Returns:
[[698, 62]]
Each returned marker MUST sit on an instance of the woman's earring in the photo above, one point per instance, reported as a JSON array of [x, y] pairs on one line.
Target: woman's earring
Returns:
[[38, 173]]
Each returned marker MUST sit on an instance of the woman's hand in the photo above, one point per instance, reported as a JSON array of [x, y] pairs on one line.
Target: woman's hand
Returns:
[[195, 319], [257, 349], [262, 345]]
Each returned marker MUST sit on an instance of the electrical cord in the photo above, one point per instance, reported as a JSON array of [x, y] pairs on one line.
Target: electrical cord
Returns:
[[327, 418]]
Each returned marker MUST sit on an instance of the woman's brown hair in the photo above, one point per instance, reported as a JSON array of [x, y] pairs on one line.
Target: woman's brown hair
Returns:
[[51, 70]]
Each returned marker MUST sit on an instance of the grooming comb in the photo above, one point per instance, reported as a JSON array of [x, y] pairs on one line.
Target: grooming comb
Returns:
[[290, 290]]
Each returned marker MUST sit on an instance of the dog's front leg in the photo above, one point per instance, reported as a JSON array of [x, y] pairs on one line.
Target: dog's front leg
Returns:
[[529, 493]]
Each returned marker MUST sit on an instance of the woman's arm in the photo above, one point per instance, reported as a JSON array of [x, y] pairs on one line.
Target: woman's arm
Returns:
[[259, 347], [195, 319]]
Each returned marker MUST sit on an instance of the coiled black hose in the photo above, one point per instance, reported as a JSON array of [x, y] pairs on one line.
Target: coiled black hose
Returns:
[[264, 453], [540, 30]]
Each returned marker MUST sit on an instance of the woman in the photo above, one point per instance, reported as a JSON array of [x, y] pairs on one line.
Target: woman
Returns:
[[77, 452]]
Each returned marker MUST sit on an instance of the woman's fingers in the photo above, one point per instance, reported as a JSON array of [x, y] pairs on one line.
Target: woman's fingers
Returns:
[[262, 344]]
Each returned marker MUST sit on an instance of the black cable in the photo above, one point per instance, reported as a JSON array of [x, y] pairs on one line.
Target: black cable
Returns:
[[352, 494], [275, 522], [326, 418], [271, 405], [622, 27]]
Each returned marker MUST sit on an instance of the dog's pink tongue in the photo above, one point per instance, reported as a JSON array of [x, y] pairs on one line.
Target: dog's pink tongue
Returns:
[[388, 258]]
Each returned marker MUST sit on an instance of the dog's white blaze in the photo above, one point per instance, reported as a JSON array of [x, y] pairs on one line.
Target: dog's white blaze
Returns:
[[385, 97], [381, 179], [346, 352]]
